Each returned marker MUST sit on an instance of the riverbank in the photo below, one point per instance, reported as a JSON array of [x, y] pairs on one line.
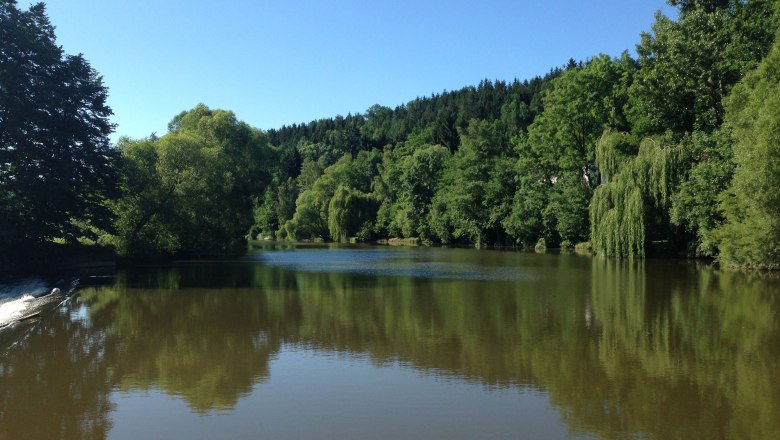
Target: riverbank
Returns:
[[53, 257]]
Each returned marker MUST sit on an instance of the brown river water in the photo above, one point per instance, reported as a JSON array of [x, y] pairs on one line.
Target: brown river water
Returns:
[[329, 342]]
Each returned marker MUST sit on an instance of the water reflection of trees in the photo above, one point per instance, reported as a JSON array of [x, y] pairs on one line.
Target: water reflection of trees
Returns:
[[689, 353], [657, 348], [56, 381], [195, 343]]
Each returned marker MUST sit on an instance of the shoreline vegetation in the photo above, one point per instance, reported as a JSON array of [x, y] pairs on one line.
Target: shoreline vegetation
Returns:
[[53, 258], [675, 152]]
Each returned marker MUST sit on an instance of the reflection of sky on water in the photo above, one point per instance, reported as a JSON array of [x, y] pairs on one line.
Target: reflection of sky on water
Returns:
[[380, 262], [316, 394]]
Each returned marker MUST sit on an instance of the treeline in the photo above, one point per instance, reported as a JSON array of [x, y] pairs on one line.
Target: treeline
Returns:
[[515, 103], [634, 155], [676, 151], [378, 172]]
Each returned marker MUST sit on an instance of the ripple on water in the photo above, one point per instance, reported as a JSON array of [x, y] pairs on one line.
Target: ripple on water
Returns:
[[405, 263]]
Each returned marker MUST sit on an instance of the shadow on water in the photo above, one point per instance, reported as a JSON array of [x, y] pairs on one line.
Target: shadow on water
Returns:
[[656, 349]]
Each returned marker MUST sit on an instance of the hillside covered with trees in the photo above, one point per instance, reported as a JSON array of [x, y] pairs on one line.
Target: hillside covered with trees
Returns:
[[676, 151]]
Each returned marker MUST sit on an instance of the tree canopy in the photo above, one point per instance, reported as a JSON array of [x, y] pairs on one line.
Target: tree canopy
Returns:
[[750, 235], [56, 162], [190, 192]]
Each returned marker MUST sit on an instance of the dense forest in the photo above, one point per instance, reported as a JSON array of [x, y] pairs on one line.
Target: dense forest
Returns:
[[674, 151]]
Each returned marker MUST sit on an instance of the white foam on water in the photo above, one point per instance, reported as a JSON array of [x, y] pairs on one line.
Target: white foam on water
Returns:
[[15, 309]]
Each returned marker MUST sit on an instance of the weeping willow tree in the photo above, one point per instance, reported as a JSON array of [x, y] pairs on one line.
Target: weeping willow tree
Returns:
[[350, 212], [636, 181]]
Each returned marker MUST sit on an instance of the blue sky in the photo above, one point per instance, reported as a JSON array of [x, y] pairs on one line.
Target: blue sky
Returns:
[[280, 62]]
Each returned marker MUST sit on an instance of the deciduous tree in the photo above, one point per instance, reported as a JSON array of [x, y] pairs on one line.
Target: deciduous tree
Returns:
[[56, 163]]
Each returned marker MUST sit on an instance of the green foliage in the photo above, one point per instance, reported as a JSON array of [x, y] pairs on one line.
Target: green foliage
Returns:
[[620, 209], [525, 220], [679, 182], [500, 190], [695, 205], [265, 214], [612, 150], [556, 168], [285, 204], [56, 164], [566, 214], [339, 215], [387, 190], [310, 171], [408, 177], [617, 218], [689, 66], [535, 175], [708, 5], [582, 102], [323, 154], [447, 114], [750, 236], [421, 174], [350, 213], [462, 205], [190, 192], [311, 219]]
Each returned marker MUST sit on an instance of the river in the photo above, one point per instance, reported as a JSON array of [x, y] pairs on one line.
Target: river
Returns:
[[340, 342]]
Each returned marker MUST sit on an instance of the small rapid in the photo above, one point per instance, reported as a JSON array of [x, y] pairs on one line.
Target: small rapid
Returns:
[[27, 298], [12, 310]]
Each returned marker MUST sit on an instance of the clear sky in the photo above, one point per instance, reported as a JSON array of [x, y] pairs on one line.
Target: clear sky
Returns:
[[280, 62]]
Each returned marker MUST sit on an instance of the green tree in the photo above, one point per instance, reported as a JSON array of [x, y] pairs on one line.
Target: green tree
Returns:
[[582, 102], [378, 126], [567, 211], [708, 5], [535, 173], [689, 66], [311, 170], [666, 191], [313, 207], [287, 193], [419, 182], [310, 220], [190, 192], [56, 163], [556, 168], [694, 206], [266, 212], [750, 237], [350, 213], [461, 207], [636, 198], [396, 181]]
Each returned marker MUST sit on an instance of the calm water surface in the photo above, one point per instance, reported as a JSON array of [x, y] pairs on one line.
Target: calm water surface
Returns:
[[387, 343]]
